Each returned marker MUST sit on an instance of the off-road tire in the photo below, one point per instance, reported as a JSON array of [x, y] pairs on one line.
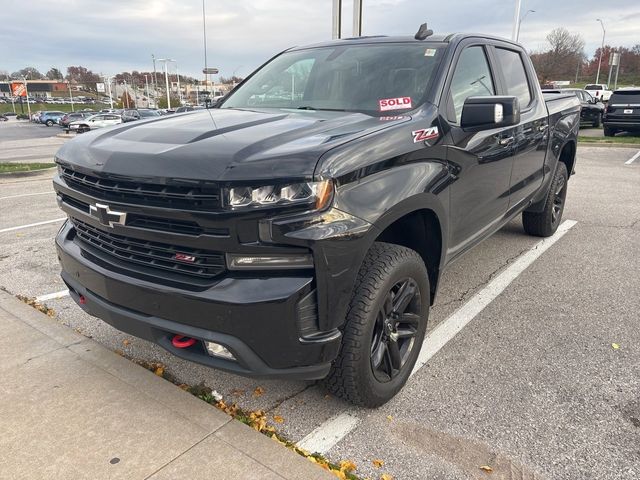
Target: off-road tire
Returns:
[[545, 223], [352, 375]]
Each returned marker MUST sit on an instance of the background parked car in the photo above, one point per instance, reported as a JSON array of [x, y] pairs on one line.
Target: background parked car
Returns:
[[623, 112], [130, 114], [592, 110], [3, 118], [600, 91], [74, 116], [189, 108], [50, 118], [100, 120]]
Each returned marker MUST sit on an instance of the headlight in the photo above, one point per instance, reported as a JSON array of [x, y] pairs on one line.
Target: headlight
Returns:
[[315, 194]]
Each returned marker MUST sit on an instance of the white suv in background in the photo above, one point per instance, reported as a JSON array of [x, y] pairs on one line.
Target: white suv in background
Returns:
[[600, 91]]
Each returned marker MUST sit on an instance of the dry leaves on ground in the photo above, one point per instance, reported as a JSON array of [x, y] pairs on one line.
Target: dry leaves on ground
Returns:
[[258, 392], [486, 468], [378, 463]]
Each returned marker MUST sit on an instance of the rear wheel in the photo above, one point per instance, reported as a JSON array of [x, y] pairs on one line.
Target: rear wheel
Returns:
[[385, 326], [609, 132], [598, 121], [545, 223], [49, 123]]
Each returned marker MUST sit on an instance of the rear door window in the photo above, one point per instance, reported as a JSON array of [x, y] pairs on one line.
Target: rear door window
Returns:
[[515, 75]]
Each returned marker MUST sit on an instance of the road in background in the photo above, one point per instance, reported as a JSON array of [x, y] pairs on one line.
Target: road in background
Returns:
[[533, 386]]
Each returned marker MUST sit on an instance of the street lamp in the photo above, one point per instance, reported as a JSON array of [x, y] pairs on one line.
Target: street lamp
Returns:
[[108, 82], [521, 20], [601, 49]]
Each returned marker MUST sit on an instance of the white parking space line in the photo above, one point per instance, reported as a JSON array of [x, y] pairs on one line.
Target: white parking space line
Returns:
[[27, 195], [52, 296], [20, 227], [439, 336], [633, 159], [329, 433]]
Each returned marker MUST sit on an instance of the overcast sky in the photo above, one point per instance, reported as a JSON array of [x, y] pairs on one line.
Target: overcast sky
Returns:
[[109, 36]]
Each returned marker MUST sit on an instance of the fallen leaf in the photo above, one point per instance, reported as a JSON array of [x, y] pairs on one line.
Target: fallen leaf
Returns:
[[258, 392], [389, 417], [615, 346], [126, 342], [386, 476], [347, 466], [486, 468], [378, 463], [159, 371], [278, 419], [237, 392]]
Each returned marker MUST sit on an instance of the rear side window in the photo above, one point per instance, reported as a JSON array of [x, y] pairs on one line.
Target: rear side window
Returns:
[[593, 87], [472, 78], [514, 75], [630, 98]]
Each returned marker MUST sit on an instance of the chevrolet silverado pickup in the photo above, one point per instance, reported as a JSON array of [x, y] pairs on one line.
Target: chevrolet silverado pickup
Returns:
[[300, 228]]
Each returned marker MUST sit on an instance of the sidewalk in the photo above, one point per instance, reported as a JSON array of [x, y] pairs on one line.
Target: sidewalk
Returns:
[[69, 408]]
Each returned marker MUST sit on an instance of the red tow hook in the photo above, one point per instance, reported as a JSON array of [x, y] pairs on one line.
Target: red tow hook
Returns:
[[82, 300], [180, 341]]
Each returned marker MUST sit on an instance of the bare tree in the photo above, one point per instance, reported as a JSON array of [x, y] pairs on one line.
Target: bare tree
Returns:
[[566, 52]]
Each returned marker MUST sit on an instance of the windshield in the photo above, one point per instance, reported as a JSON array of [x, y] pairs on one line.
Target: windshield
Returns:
[[593, 87], [373, 78], [148, 113]]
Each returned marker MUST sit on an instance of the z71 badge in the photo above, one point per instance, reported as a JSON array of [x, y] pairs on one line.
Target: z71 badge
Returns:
[[425, 134]]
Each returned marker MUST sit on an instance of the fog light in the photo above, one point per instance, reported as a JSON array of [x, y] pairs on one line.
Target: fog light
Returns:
[[217, 350]]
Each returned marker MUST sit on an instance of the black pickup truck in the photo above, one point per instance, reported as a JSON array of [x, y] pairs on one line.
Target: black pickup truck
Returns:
[[301, 228]]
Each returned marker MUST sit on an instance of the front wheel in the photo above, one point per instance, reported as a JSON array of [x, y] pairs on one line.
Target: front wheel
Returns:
[[385, 327], [49, 123], [545, 223]]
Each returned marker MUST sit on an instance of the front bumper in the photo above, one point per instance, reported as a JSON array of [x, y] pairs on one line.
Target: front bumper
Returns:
[[262, 321]]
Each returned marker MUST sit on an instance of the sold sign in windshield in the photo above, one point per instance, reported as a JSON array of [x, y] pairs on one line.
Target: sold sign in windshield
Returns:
[[394, 103]]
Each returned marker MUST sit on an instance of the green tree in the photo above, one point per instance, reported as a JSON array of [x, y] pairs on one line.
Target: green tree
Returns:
[[162, 102]]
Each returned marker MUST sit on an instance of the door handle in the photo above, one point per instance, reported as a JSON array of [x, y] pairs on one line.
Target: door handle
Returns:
[[542, 128], [506, 140]]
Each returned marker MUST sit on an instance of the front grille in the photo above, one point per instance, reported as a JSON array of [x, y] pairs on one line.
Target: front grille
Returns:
[[183, 227], [185, 197], [205, 264]]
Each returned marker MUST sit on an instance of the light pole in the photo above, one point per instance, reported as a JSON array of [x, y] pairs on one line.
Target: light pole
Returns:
[[166, 77], [520, 22], [357, 18], [26, 91], [336, 20], [516, 21], [601, 49], [204, 38], [146, 84]]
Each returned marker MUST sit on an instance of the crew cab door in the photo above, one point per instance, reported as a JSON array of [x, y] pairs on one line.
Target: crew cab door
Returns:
[[529, 138], [480, 161]]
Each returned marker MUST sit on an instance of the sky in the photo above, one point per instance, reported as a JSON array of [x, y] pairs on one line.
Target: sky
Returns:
[[110, 36]]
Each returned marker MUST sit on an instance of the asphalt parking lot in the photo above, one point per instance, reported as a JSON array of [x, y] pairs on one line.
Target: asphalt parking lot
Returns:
[[532, 386]]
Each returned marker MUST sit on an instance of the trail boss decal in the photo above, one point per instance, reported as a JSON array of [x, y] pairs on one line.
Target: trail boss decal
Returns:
[[425, 134], [394, 103]]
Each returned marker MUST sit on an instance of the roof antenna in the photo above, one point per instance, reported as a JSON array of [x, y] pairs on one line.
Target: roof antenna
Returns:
[[423, 32]]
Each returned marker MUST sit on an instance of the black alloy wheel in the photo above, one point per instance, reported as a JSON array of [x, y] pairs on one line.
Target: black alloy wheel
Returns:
[[395, 330]]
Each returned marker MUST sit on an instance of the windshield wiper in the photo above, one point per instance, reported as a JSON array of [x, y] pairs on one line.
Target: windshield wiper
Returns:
[[307, 107]]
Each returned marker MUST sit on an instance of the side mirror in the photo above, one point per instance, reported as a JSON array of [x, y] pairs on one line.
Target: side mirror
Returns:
[[485, 113]]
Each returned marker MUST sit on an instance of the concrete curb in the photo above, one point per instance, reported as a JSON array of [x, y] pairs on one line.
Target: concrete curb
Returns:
[[28, 173], [107, 407]]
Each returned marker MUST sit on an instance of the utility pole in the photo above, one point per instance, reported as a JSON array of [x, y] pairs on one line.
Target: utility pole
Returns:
[[179, 91], [601, 49], [70, 96], [336, 30], [615, 85], [107, 80], [612, 57], [357, 18], [155, 82], [516, 21], [126, 94], [146, 84], [166, 78]]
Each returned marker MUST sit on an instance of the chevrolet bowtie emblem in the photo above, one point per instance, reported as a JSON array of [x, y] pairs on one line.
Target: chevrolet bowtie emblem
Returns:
[[106, 216]]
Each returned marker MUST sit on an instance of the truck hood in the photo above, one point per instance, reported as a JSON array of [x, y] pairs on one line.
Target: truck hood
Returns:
[[219, 144]]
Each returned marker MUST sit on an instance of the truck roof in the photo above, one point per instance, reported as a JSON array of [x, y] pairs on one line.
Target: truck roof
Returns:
[[373, 39]]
